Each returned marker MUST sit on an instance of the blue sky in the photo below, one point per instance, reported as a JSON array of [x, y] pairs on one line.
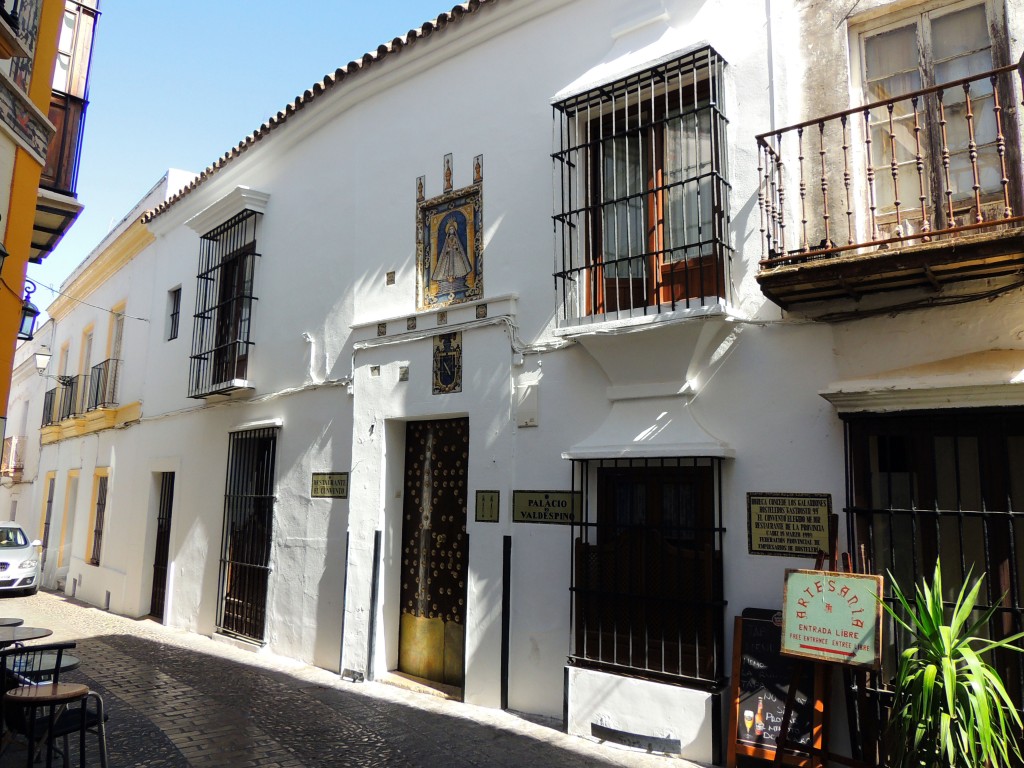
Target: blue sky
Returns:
[[177, 84]]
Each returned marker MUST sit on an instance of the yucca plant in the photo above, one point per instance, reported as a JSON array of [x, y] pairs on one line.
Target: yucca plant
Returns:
[[950, 707]]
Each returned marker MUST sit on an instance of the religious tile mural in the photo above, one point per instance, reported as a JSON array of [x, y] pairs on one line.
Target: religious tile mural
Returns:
[[449, 246]]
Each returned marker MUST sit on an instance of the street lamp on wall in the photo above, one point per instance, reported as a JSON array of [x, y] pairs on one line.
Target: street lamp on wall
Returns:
[[43, 356], [29, 313]]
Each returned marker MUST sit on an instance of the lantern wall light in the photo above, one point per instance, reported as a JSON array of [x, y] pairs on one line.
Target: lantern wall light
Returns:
[[29, 313]]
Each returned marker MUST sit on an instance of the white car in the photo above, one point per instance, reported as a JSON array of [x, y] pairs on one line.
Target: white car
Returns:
[[19, 560]]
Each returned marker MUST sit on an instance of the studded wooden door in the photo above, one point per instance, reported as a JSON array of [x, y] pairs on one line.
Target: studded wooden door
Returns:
[[435, 551]]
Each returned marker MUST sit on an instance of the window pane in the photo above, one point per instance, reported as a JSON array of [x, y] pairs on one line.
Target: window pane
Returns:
[[955, 34], [891, 52], [965, 66], [624, 209]]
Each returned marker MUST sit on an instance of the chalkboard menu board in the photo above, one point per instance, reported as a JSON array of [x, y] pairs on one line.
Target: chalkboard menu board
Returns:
[[761, 680]]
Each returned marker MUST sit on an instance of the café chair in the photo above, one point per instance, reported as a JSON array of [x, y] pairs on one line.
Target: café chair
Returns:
[[30, 679]]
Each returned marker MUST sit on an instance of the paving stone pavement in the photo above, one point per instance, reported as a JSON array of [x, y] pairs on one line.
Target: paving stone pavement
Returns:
[[178, 699]]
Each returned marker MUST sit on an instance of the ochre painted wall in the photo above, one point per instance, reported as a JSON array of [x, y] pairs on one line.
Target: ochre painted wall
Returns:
[[24, 184]]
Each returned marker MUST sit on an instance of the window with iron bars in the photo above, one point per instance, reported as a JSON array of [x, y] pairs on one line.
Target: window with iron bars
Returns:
[[224, 301], [641, 174], [101, 510], [247, 534], [647, 589], [173, 312], [945, 485]]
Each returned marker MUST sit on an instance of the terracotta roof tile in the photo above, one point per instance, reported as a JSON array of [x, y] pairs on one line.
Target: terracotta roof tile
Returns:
[[318, 89]]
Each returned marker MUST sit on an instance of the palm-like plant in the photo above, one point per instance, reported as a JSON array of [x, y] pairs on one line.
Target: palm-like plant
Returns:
[[950, 708]]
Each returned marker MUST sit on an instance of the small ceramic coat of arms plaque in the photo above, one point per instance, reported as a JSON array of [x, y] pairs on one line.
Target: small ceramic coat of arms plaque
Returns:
[[447, 363]]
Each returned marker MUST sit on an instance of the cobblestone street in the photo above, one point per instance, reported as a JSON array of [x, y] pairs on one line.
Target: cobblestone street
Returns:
[[178, 699]]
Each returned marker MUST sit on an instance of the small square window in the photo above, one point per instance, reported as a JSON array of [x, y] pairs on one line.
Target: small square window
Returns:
[[173, 312]]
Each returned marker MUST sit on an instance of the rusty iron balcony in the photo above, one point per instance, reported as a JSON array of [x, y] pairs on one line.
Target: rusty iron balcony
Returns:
[[919, 190]]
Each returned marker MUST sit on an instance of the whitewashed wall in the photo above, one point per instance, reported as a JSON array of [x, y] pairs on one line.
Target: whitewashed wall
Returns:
[[340, 176]]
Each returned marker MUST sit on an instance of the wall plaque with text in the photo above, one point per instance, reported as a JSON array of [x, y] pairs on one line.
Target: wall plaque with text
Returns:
[[329, 485], [552, 507], [788, 524]]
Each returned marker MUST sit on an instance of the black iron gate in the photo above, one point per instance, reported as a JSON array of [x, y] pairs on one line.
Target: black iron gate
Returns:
[[163, 541], [247, 534], [943, 486]]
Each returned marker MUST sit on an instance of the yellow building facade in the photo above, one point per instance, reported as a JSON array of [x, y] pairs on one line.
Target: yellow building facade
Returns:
[[45, 48]]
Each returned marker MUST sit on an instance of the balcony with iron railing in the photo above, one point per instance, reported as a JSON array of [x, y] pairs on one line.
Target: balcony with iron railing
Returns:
[[50, 407], [12, 464], [70, 397], [915, 191], [103, 385]]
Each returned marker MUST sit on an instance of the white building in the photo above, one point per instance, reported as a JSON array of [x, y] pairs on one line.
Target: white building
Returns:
[[347, 406]]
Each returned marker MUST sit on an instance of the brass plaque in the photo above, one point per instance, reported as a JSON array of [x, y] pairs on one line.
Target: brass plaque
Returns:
[[487, 506], [551, 507], [329, 485], [788, 524]]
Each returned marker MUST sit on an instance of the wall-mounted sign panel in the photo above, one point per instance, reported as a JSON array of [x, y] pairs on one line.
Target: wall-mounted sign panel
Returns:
[[552, 507], [329, 485], [487, 506], [832, 616], [788, 524]]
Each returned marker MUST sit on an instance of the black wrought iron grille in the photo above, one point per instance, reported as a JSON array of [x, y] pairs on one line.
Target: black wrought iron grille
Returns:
[[247, 534], [640, 171], [47, 515], [103, 385], [71, 388], [647, 592], [101, 512], [50, 407], [948, 486], [158, 595], [174, 301], [224, 303]]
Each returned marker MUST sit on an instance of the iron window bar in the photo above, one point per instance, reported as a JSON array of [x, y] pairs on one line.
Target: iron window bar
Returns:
[[221, 333], [101, 509], [247, 534], [642, 196], [50, 407], [647, 585], [941, 485], [103, 384]]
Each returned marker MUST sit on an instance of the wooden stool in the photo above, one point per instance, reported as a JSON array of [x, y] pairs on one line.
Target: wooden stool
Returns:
[[56, 696]]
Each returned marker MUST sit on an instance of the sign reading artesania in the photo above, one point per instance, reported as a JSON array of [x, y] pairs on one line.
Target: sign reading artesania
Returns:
[[831, 616], [788, 524], [329, 485], [555, 507]]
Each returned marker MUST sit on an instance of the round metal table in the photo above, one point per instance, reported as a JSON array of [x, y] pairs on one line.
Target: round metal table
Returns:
[[11, 622], [43, 666], [10, 635]]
